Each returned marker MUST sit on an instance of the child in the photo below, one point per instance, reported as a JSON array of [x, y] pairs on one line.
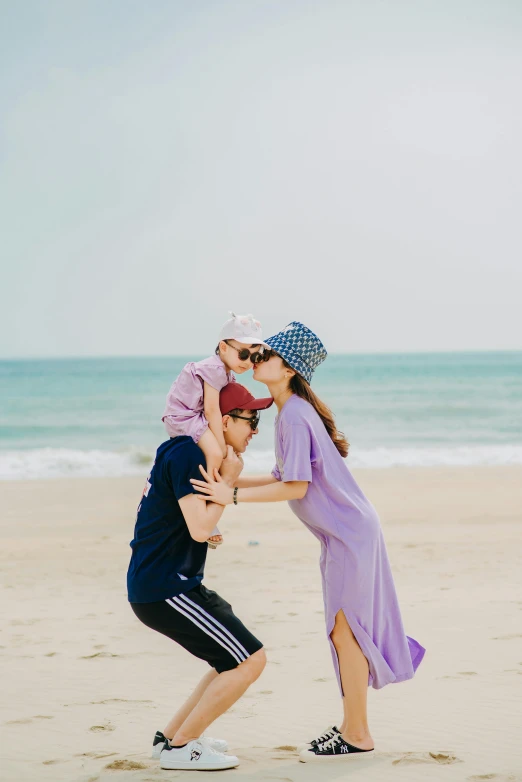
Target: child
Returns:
[[193, 401]]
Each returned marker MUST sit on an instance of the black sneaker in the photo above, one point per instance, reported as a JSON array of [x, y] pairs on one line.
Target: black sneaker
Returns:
[[329, 733], [157, 744], [334, 749]]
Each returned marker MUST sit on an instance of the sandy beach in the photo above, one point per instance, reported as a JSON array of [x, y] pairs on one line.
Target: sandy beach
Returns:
[[85, 685]]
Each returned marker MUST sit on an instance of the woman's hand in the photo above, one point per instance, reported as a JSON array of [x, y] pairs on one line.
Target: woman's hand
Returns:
[[217, 490]]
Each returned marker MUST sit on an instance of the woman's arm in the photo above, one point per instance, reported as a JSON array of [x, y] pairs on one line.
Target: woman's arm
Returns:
[[249, 481], [220, 492], [277, 491]]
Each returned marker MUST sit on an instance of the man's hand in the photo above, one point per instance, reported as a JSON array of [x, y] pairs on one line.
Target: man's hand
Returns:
[[231, 467]]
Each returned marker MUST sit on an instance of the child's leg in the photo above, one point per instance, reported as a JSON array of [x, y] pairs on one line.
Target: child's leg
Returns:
[[213, 457], [212, 450]]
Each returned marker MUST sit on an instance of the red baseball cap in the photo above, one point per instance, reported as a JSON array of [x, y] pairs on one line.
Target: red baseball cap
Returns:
[[234, 396]]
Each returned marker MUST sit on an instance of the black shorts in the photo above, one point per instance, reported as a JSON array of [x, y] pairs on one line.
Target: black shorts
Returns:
[[204, 624]]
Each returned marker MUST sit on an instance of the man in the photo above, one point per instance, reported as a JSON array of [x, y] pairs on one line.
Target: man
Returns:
[[166, 594]]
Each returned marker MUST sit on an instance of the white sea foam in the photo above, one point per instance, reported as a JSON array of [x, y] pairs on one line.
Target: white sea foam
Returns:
[[455, 456], [411, 457], [63, 463], [68, 463]]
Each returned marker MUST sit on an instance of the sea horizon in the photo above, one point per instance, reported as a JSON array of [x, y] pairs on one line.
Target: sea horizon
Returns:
[[197, 356], [86, 416]]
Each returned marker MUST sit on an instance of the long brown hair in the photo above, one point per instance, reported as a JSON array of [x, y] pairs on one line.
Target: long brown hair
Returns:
[[301, 388]]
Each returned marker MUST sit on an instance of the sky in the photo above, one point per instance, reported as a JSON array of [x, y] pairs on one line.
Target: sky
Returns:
[[355, 165]]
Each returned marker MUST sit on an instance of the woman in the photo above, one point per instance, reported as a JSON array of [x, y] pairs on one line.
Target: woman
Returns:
[[363, 619]]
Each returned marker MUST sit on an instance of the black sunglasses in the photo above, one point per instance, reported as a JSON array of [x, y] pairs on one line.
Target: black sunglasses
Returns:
[[253, 421], [256, 357]]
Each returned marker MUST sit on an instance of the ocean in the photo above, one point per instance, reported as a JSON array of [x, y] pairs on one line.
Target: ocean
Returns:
[[102, 416]]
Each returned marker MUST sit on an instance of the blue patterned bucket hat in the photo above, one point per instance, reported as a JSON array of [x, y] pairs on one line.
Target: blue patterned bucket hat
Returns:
[[299, 347]]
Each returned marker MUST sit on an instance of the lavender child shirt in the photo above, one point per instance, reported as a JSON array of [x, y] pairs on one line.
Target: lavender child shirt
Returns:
[[183, 413], [355, 570]]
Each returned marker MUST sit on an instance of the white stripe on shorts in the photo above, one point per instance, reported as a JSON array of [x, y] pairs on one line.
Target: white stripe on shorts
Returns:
[[213, 623], [238, 646], [182, 609]]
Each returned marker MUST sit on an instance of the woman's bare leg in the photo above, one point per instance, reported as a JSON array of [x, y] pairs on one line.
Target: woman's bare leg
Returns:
[[181, 715], [353, 666]]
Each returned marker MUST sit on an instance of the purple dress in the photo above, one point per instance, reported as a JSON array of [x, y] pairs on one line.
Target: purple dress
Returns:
[[354, 564], [183, 414]]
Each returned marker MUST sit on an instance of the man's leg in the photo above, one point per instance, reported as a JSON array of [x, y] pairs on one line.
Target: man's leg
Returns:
[[218, 696], [181, 715]]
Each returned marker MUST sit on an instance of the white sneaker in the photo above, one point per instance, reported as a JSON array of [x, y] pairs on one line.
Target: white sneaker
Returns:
[[159, 740], [197, 755]]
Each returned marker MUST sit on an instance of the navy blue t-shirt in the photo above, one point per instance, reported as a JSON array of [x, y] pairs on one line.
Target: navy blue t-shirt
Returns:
[[165, 560]]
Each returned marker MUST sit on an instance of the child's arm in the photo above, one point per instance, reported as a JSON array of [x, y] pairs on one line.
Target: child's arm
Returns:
[[213, 414]]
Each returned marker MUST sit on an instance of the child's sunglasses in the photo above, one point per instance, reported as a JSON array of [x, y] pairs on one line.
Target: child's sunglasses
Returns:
[[256, 357]]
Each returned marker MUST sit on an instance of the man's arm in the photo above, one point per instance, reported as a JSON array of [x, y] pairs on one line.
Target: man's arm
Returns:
[[200, 517]]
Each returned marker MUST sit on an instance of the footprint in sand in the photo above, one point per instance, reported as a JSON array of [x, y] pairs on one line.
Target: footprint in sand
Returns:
[[96, 755], [98, 654], [117, 700], [459, 674], [26, 720], [496, 777], [126, 765], [287, 748], [102, 728], [507, 637], [23, 622], [442, 758]]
